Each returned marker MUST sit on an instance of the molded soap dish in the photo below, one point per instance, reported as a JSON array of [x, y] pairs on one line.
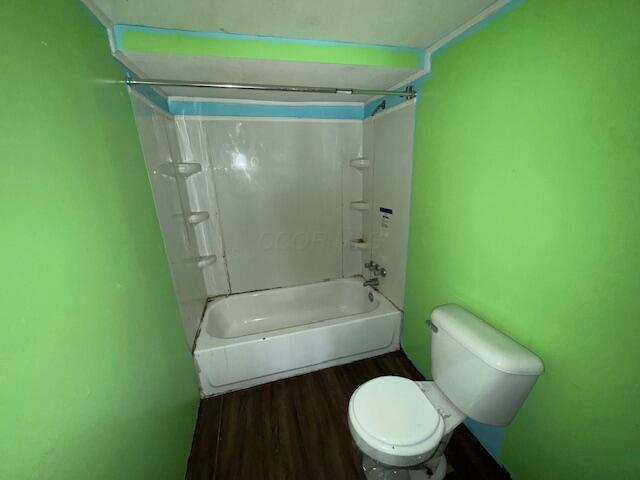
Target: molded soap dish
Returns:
[[359, 244], [174, 169], [187, 169], [206, 260], [360, 205], [360, 163], [196, 217]]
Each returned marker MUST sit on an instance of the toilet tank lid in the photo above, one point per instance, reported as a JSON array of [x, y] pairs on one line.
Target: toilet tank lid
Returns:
[[488, 344]]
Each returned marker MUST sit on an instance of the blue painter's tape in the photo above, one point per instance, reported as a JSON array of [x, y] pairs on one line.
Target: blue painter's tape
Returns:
[[153, 96], [386, 210], [119, 29], [146, 91], [116, 32], [224, 109], [474, 28]]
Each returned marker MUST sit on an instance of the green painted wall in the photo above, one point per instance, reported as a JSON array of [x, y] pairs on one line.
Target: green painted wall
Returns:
[[95, 377], [526, 210], [180, 42]]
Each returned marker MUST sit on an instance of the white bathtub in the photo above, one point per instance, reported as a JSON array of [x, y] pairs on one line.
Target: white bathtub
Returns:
[[252, 338]]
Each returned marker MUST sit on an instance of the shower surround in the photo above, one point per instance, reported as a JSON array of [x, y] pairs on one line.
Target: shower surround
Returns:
[[270, 221]]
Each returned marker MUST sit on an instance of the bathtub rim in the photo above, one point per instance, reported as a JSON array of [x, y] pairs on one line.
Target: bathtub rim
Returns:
[[205, 341]]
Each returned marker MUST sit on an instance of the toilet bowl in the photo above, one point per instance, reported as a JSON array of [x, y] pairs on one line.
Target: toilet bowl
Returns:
[[399, 423], [402, 427]]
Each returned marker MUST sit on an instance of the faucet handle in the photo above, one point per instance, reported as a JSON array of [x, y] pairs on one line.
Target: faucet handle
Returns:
[[369, 265], [379, 271]]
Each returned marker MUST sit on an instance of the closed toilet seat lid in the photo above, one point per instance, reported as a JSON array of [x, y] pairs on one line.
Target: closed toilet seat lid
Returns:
[[393, 415]]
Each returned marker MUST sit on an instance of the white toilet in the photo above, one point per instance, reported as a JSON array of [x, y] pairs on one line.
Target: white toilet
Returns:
[[402, 427]]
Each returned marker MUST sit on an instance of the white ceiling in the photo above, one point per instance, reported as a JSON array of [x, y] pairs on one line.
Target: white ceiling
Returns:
[[410, 23]]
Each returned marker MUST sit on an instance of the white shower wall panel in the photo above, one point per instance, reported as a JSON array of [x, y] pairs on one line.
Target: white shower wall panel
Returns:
[[367, 187], [391, 134], [157, 138], [352, 220], [201, 193], [278, 187]]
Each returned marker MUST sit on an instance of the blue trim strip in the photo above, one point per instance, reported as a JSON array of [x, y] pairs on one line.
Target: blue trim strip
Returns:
[[513, 4], [153, 96], [224, 109], [147, 91], [119, 28]]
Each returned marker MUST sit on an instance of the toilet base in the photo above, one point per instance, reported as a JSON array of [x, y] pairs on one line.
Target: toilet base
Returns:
[[374, 470]]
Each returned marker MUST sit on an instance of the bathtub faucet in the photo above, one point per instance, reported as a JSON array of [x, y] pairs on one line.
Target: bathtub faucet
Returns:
[[372, 282], [376, 269]]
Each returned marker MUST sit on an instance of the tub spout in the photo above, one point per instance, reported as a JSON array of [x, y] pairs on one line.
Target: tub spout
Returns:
[[372, 282]]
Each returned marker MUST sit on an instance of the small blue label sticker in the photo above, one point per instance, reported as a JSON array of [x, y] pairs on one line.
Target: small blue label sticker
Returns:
[[386, 210]]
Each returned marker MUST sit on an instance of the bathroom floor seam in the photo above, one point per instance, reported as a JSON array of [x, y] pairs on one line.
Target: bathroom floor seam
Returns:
[[215, 461]]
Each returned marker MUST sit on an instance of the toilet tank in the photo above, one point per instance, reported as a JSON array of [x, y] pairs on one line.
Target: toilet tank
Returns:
[[484, 373]]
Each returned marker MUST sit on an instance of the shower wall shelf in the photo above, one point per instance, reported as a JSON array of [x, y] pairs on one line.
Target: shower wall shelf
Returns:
[[359, 244], [197, 217], [166, 169], [206, 260], [179, 169], [360, 205], [188, 169], [360, 163]]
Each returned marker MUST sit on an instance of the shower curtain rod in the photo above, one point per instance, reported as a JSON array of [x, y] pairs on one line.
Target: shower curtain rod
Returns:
[[408, 93]]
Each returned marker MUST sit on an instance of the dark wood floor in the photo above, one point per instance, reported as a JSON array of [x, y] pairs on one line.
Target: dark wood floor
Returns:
[[297, 428]]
